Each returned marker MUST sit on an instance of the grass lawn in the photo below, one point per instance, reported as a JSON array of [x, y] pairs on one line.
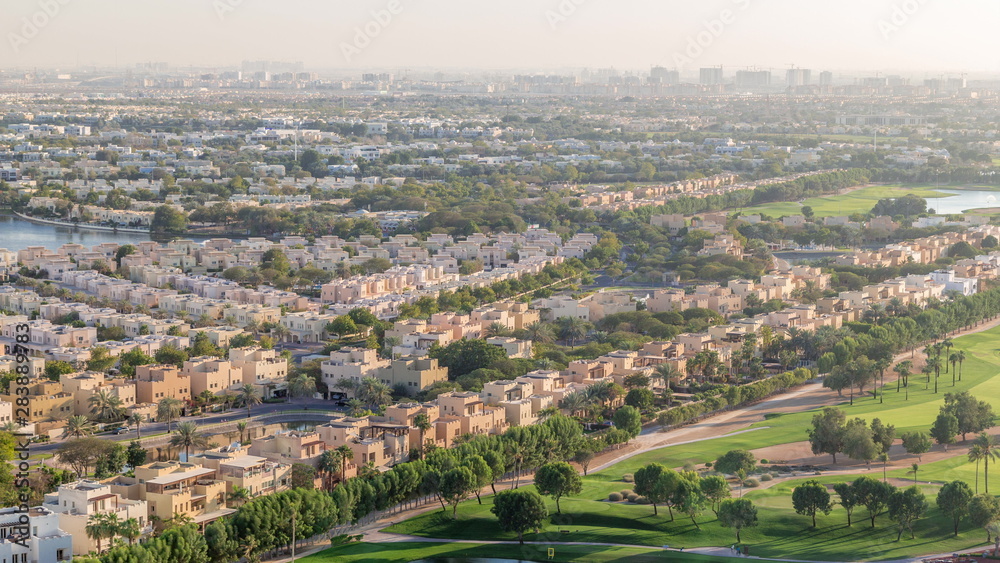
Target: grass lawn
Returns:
[[858, 201], [782, 533], [415, 551]]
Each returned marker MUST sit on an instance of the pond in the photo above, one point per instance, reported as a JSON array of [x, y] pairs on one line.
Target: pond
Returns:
[[963, 200]]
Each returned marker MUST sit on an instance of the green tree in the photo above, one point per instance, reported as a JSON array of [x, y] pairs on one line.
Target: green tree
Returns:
[[303, 476], [466, 356], [557, 480], [135, 454], [55, 368], [168, 221], [716, 489], [811, 497], [736, 461], [944, 429], [827, 433], [873, 495], [481, 472], [905, 507], [983, 510], [641, 399], [456, 484], [628, 419], [848, 498], [342, 326], [954, 499], [973, 415], [518, 511], [859, 443], [917, 443], [738, 514]]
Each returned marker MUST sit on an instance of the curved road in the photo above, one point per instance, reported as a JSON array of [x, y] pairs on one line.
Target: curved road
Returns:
[[234, 415]]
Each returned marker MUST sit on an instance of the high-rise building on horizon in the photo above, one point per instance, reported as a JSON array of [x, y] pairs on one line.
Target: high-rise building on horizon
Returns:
[[710, 76], [795, 77]]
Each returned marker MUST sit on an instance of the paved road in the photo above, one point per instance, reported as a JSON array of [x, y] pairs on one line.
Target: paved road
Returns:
[[235, 415]]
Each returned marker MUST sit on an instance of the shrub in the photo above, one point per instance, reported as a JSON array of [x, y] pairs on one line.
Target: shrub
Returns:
[[766, 477], [641, 500], [615, 497], [628, 478], [632, 497], [751, 483], [708, 464], [626, 492], [763, 461]]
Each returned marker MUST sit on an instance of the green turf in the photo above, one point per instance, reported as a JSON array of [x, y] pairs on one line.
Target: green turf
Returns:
[[782, 533], [858, 201], [415, 551]]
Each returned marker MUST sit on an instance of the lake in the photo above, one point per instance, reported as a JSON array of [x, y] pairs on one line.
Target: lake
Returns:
[[963, 200], [18, 234]]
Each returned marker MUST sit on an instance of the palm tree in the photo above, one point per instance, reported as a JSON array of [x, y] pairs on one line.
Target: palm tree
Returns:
[[78, 426], [976, 455], [130, 530], [242, 427], [346, 454], [953, 359], [516, 452], [913, 469], [539, 332], [105, 406], [252, 326], [884, 458], [239, 496], [902, 370], [989, 448], [935, 365], [248, 396], [206, 397], [168, 409], [880, 366], [99, 526], [961, 360], [301, 386], [575, 402], [496, 329], [947, 343], [355, 407], [187, 436], [136, 419], [666, 373], [329, 463], [374, 393], [280, 332], [572, 329], [422, 422]]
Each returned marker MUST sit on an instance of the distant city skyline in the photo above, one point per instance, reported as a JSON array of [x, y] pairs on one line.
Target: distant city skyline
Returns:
[[909, 36]]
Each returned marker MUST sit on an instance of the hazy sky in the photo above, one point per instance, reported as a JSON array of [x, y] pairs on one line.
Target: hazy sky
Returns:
[[931, 35]]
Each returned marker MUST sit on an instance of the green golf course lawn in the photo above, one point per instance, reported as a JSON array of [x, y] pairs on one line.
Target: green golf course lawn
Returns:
[[415, 551], [858, 201], [588, 517]]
